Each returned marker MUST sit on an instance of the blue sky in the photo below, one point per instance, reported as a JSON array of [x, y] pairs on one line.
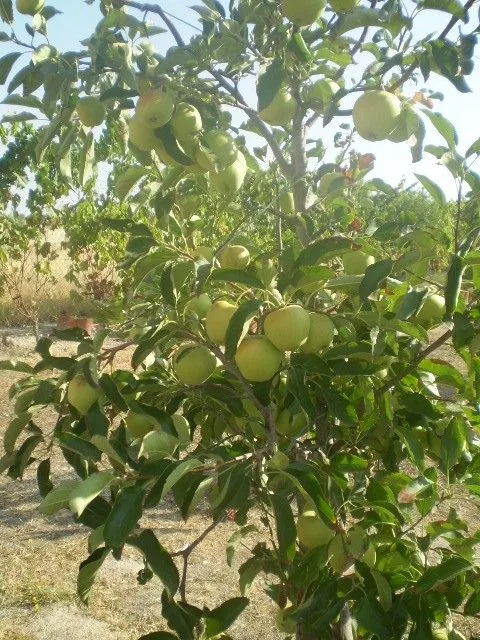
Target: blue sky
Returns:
[[393, 160]]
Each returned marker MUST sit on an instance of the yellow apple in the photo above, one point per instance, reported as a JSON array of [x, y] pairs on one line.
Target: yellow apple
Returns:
[[199, 305], [321, 93], [303, 12], [291, 425], [331, 184], [234, 256], [155, 108], [186, 121], [356, 262], [80, 394], [257, 359], [30, 7], [139, 424], [342, 6], [194, 363], [217, 320], [432, 310], [91, 111], [287, 203], [141, 136], [312, 532], [376, 114], [281, 110], [287, 328], [320, 334], [229, 180]]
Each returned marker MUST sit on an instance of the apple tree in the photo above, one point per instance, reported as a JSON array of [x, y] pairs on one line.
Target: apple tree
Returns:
[[285, 366]]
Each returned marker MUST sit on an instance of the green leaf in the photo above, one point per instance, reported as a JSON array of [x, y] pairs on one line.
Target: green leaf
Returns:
[[374, 275], [347, 462], [88, 490], [410, 304], [221, 618], [299, 48], [79, 445], [236, 275], [453, 443], [454, 284], [23, 456], [167, 285], [180, 470], [324, 248], [472, 605], [444, 127], [126, 180], [44, 481], [454, 7], [473, 148], [269, 83], [124, 516], [6, 11], [7, 62], [442, 573], [178, 618], [285, 526], [159, 635], [87, 159], [158, 559], [57, 498], [236, 326], [432, 188], [371, 616], [88, 571], [110, 389], [235, 540], [304, 474], [14, 429]]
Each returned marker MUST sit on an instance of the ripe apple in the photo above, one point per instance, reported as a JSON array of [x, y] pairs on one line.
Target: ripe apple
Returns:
[[199, 305], [139, 424], [186, 121], [376, 114], [141, 136], [257, 359], [291, 425], [303, 12], [321, 93], [287, 203], [331, 184], [432, 310], [30, 7], [91, 111], [217, 320], [80, 394], [320, 335], [356, 262], [287, 328], [229, 180], [155, 108], [222, 147], [312, 532], [281, 109], [194, 363], [234, 256], [342, 6], [204, 252]]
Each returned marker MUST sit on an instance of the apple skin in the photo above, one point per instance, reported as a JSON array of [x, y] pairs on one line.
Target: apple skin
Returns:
[[321, 93], [312, 532], [217, 320], [29, 7], [376, 114], [343, 6], [229, 180], [234, 256], [186, 121], [287, 328], [141, 136], [199, 305], [139, 424], [303, 12], [80, 394], [356, 262], [322, 331], [281, 110], [278, 462], [291, 425], [287, 204], [194, 363], [155, 108], [257, 359], [331, 184], [432, 310], [91, 111]]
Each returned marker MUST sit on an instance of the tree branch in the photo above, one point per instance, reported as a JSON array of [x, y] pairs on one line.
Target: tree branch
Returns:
[[155, 8]]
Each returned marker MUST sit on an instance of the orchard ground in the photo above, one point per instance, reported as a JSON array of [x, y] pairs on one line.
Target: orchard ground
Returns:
[[38, 556]]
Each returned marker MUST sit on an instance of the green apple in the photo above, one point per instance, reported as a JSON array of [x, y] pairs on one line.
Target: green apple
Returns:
[[312, 531], [229, 180], [278, 462], [222, 149], [186, 121], [155, 108], [356, 262], [303, 12], [281, 109], [217, 320], [376, 114], [257, 359], [194, 363], [321, 93], [287, 328], [331, 184], [30, 7], [139, 424], [320, 335], [432, 310], [204, 252], [141, 136], [291, 425], [234, 256], [287, 203], [91, 111], [80, 394], [343, 6], [199, 305]]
